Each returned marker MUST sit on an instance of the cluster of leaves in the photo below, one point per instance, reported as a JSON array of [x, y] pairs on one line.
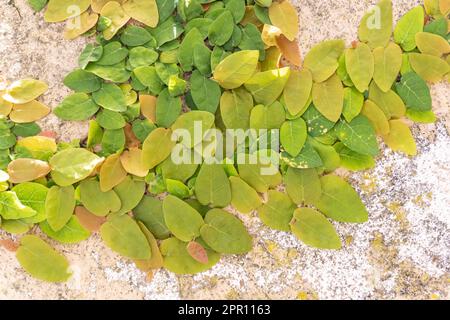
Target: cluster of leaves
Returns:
[[222, 62]]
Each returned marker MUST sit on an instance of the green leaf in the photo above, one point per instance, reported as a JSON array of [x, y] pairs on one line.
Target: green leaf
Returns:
[[237, 9], [75, 164], [328, 98], [90, 53], [376, 25], [32, 195], [12, 208], [7, 139], [340, 202], [113, 141], [182, 220], [352, 160], [150, 212], [59, 206], [251, 40], [72, 232], [360, 66], [221, 29], [178, 260], [407, 28], [26, 129], [98, 202], [130, 192], [267, 117], [414, 92], [188, 120], [322, 60], [186, 50], [303, 185], [167, 109], [277, 212], [212, 186], [202, 59], [42, 261], [110, 97], [293, 135], [111, 120], [236, 69], [353, 102], [123, 235], [252, 174], [358, 135], [235, 108], [148, 76], [37, 5], [80, 80], [167, 31], [311, 227], [113, 53], [114, 73], [243, 197], [141, 57], [267, 86], [135, 36], [205, 92], [225, 233]]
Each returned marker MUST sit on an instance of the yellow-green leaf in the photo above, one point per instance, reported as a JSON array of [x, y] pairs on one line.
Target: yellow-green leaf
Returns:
[[113, 11], [376, 25], [400, 138], [407, 28], [243, 197], [432, 44], [42, 261], [28, 112], [388, 62], [60, 10], [123, 235], [267, 86], [376, 117], [59, 206], [322, 59], [112, 172], [328, 98], [236, 69], [311, 227], [284, 16], [428, 67], [25, 90], [76, 26], [144, 11], [340, 202], [360, 66], [157, 147], [297, 91]]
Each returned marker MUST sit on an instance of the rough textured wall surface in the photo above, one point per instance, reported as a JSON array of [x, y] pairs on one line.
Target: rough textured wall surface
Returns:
[[402, 252]]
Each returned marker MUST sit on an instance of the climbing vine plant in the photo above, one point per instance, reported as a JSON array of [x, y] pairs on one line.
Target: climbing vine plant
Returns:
[[159, 66]]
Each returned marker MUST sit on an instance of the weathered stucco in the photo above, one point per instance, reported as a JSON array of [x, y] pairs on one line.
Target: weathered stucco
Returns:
[[402, 252]]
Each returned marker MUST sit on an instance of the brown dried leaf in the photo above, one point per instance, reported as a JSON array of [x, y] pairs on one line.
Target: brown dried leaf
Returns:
[[290, 50], [88, 220], [197, 252]]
